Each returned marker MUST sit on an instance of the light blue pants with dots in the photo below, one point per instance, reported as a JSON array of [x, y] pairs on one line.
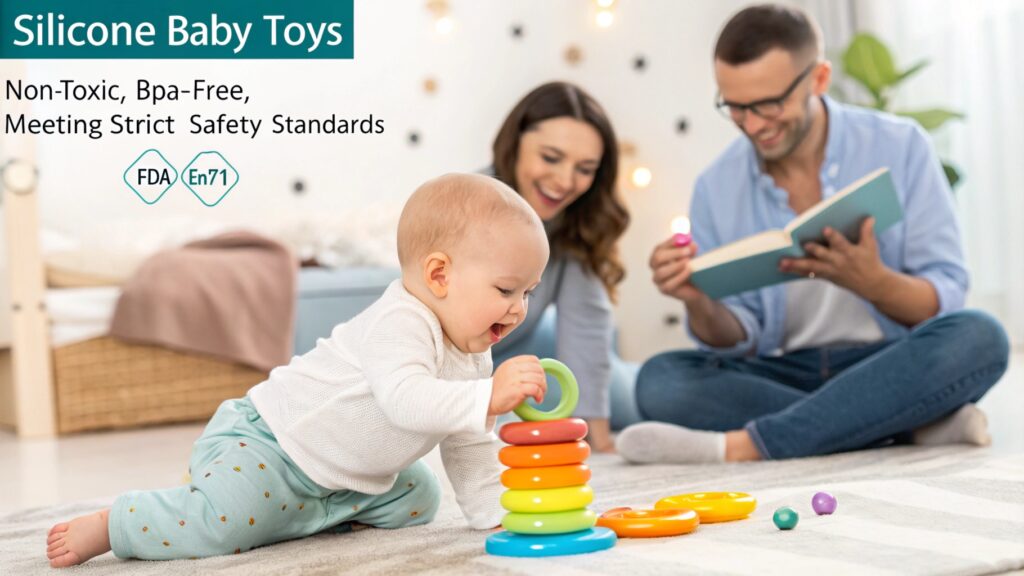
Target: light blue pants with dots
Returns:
[[246, 492]]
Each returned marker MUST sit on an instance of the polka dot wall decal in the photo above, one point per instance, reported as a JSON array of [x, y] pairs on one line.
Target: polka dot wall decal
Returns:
[[627, 148], [518, 31], [573, 55], [414, 138], [298, 188], [430, 85], [640, 63], [682, 125]]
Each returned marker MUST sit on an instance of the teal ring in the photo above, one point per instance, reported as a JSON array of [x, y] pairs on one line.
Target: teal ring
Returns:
[[532, 546]]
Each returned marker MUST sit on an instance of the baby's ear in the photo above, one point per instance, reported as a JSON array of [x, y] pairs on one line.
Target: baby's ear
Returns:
[[436, 267]]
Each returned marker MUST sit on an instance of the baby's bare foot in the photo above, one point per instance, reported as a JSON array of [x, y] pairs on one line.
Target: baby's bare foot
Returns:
[[74, 542]]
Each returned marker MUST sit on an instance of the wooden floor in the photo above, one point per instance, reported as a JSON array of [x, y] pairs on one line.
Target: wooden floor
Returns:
[[46, 472]]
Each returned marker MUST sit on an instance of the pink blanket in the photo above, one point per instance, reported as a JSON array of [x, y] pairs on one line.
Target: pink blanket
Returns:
[[231, 296]]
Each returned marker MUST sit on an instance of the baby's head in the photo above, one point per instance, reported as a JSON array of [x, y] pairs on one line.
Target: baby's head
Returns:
[[472, 250]]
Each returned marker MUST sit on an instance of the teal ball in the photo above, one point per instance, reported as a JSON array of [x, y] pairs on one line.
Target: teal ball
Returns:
[[785, 518]]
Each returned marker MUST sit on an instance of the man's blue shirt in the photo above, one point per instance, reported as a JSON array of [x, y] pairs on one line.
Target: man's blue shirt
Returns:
[[735, 198]]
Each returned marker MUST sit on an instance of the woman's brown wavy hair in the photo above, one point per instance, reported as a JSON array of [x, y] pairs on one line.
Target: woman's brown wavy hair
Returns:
[[591, 226]]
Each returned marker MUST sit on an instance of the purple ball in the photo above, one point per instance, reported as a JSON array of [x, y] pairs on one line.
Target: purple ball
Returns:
[[823, 503]]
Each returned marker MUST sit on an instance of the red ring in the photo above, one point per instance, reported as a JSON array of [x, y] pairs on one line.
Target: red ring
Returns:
[[543, 432]]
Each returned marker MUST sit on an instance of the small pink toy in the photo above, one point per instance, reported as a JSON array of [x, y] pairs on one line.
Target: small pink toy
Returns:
[[823, 503]]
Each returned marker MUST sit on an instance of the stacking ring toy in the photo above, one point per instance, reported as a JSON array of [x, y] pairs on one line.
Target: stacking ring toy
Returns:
[[713, 506], [546, 477], [545, 455], [570, 394], [528, 545], [550, 523], [550, 500], [629, 523], [547, 432]]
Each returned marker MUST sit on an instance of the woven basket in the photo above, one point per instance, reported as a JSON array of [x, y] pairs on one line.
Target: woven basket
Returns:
[[105, 383]]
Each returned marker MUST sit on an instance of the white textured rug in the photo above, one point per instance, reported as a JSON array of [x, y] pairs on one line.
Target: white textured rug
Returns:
[[949, 510]]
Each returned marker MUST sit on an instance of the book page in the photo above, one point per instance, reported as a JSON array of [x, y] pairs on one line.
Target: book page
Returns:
[[766, 241]]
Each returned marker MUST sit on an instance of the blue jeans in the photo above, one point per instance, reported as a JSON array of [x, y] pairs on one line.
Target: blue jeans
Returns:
[[826, 400]]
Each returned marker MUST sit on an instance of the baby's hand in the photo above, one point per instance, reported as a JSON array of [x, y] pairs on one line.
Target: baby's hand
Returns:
[[516, 380]]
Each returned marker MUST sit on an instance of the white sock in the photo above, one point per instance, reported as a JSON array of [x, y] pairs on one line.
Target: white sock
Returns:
[[659, 442], [968, 425]]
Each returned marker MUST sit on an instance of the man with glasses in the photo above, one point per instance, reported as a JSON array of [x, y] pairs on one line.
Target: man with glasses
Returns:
[[871, 346]]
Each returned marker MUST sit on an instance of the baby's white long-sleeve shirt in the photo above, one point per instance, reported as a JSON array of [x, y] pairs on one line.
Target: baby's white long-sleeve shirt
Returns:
[[379, 394]]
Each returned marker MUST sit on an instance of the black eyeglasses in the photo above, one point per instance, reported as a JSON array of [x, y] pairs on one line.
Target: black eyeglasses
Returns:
[[768, 108]]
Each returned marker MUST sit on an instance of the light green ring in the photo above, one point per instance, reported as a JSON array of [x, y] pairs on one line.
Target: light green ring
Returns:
[[570, 394], [550, 523]]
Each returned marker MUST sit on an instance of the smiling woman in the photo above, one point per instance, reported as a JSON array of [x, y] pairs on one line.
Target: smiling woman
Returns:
[[558, 150]]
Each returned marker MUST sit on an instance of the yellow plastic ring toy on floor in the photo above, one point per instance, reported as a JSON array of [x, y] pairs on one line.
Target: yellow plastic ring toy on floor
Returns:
[[550, 500], [713, 506], [629, 523]]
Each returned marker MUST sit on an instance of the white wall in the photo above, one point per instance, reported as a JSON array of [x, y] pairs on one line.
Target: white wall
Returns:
[[481, 71]]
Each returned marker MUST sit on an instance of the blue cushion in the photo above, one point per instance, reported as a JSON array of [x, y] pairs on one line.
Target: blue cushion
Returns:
[[328, 297]]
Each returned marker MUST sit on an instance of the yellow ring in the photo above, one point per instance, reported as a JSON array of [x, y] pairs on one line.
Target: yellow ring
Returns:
[[549, 500], [713, 506]]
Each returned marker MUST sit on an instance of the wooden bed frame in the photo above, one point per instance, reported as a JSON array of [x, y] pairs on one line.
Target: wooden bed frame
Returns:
[[28, 392], [31, 372]]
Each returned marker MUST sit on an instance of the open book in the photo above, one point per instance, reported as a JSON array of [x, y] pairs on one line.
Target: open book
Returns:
[[753, 262]]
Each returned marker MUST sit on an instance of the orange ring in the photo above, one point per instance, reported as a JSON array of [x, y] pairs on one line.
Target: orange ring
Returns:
[[629, 523], [544, 455], [545, 477], [713, 506], [543, 432]]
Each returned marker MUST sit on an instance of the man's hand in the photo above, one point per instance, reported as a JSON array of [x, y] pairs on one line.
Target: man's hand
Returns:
[[516, 380], [856, 267], [710, 321], [670, 265]]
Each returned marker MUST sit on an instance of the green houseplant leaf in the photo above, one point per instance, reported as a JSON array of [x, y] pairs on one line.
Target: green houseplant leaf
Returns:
[[932, 118], [869, 62], [911, 71], [952, 174]]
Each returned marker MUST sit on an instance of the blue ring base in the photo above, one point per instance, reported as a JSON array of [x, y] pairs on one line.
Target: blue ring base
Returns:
[[536, 545]]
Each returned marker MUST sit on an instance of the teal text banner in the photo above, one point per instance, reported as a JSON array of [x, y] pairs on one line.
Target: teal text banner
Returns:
[[186, 29]]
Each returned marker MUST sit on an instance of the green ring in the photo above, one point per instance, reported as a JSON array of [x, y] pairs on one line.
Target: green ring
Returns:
[[550, 523], [570, 394]]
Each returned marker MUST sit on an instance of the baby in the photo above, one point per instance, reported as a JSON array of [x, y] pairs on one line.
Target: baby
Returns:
[[336, 436]]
